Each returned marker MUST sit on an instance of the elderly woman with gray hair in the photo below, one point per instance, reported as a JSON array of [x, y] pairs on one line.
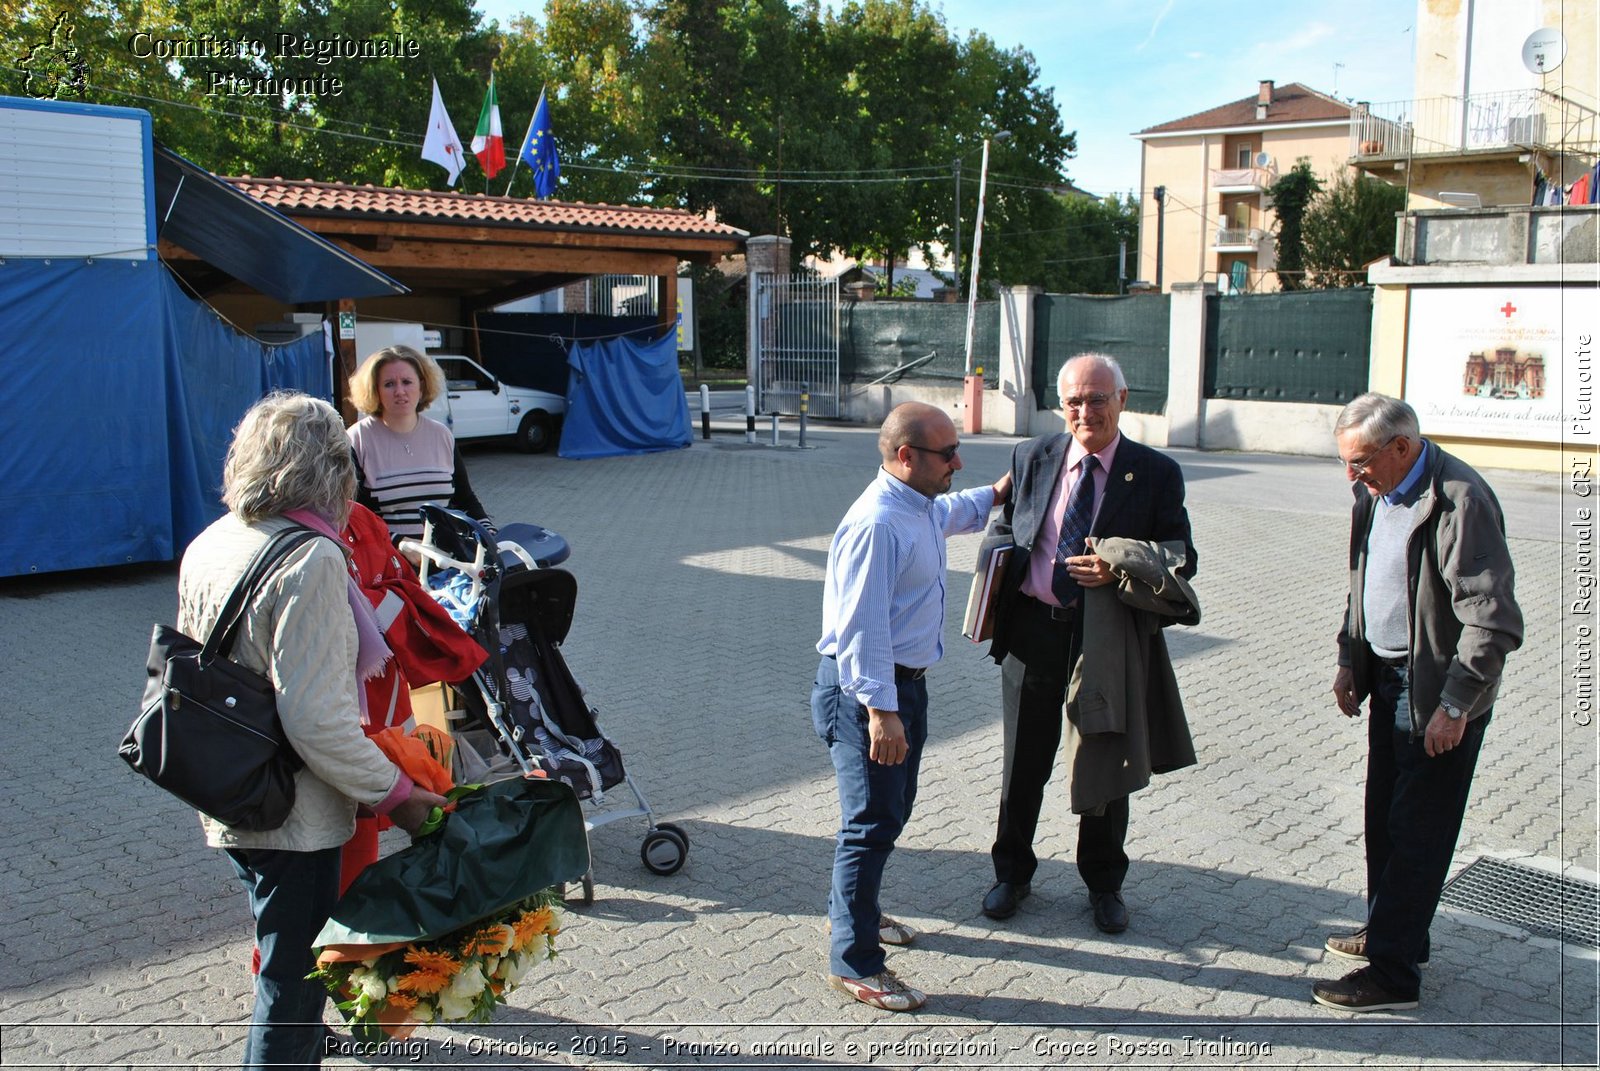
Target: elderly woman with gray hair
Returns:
[[311, 632]]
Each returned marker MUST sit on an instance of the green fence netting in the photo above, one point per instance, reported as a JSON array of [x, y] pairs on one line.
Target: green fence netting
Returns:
[[1310, 346], [916, 340], [1132, 329]]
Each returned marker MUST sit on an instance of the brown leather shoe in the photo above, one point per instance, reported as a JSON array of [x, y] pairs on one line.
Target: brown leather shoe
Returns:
[[1357, 992], [1354, 946]]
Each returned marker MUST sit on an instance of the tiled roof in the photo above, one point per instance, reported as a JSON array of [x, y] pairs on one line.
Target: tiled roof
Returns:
[[1292, 103], [339, 199]]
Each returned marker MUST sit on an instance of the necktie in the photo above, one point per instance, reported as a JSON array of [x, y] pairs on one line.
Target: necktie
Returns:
[[1074, 529]]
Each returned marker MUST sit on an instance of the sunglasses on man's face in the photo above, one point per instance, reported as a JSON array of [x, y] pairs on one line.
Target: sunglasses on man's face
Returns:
[[948, 452]]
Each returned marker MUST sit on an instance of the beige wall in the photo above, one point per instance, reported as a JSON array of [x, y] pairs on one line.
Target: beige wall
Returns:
[[1194, 210], [1496, 182], [1500, 28]]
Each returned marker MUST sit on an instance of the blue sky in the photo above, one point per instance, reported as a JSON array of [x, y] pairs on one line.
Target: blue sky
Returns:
[[1122, 65]]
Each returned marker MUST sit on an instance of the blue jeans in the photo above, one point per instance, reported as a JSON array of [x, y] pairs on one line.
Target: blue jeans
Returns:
[[291, 896], [1414, 809], [874, 805]]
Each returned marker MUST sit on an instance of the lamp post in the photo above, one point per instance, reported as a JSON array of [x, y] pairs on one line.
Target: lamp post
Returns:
[[972, 384]]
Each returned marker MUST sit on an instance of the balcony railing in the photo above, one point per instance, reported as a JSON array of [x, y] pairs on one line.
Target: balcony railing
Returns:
[[1242, 179], [1515, 119], [1238, 238]]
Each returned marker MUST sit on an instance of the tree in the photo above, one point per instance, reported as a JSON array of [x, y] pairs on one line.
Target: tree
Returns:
[[1079, 252], [1291, 195], [1350, 225]]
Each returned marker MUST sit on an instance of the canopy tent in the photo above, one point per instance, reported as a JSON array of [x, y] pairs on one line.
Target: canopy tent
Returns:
[[256, 244]]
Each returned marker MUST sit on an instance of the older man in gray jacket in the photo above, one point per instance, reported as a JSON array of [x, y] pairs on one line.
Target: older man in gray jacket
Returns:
[[1431, 616]]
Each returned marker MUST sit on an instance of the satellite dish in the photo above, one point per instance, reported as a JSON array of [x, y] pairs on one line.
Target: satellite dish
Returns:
[[1544, 50], [1263, 160]]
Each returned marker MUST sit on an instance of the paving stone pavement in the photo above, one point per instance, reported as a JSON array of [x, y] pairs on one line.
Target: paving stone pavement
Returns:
[[125, 941]]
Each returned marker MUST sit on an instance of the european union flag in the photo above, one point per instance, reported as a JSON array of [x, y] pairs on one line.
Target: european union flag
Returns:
[[539, 150]]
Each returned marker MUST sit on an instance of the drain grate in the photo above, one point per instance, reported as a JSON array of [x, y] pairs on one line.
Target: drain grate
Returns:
[[1541, 902]]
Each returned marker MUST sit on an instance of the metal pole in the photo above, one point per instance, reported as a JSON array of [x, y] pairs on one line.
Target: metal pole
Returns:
[[955, 265], [774, 427], [1161, 223], [805, 405], [750, 414], [705, 412], [977, 249]]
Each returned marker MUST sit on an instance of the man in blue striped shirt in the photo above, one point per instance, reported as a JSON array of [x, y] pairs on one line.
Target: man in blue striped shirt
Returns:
[[882, 627]]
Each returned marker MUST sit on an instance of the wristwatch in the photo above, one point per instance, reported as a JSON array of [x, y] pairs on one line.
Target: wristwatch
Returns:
[[1451, 711]]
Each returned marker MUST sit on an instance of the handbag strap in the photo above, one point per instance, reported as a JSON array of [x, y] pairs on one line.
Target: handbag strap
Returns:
[[226, 628]]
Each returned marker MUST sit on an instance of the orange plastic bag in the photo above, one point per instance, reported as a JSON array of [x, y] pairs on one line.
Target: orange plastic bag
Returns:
[[414, 757]]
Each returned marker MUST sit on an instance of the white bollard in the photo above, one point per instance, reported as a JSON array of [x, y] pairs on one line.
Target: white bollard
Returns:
[[750, 414], [705, 412]]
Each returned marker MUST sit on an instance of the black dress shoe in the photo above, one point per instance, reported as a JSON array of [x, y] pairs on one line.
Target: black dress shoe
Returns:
[[1110, 913], [1001, 903]]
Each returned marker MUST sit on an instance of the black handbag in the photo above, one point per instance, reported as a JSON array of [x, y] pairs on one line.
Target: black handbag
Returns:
[[208, 730]]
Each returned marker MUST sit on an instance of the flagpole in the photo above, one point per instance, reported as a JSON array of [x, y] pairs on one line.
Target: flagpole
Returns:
[[524, 144]]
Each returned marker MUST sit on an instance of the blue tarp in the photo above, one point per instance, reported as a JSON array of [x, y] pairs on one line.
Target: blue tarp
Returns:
[[119, 394], [625, 396]]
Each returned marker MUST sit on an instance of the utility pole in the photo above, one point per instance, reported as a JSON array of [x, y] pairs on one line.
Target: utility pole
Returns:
[[1161, 222], [956, 264]]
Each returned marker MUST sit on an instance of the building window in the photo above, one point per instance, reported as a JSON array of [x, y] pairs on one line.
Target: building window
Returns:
[[1246, 156]]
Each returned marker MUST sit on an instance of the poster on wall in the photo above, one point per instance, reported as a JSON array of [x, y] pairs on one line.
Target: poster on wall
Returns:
[[1495, 362]]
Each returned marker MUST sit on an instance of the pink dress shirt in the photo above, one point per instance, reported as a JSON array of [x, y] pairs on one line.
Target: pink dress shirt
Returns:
[[1042, 561]]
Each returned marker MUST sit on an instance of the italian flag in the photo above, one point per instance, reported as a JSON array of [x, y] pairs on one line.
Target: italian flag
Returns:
[[489, 143]]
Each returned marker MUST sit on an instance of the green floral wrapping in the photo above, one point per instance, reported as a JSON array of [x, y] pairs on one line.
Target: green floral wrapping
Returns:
[[503, 844]]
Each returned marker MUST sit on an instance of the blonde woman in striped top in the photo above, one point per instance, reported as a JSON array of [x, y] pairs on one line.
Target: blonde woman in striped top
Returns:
[[405, 460]]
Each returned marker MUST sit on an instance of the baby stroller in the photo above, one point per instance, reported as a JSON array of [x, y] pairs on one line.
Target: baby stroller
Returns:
[[523, 712]]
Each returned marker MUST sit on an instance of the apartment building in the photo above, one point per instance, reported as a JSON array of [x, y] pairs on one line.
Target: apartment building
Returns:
[[1205, 179]]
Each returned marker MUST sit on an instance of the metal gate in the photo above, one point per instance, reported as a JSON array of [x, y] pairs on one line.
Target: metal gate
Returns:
[[794, 334]]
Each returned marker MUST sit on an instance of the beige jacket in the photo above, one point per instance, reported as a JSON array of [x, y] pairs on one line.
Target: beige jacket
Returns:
[[298, 632]]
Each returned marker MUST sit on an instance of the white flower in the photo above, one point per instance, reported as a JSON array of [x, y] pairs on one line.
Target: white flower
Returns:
[[467, 984], [368, 983], [514, 968], [423, 1012], [454, 1009], [491, 966]]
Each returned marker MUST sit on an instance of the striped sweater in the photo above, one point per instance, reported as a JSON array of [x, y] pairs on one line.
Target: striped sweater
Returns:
[[403, 471]]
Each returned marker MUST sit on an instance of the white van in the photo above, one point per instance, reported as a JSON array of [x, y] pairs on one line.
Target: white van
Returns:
[[476, 405]]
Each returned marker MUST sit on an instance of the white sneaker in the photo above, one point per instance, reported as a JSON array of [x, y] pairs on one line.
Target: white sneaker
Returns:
[[881, 990]]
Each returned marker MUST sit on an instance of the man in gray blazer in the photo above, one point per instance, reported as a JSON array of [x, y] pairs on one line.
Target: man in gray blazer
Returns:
[[1088, 482]]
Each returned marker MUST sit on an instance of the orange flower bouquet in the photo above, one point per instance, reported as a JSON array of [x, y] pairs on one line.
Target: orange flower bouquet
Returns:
[[442, 930], [459, 977]]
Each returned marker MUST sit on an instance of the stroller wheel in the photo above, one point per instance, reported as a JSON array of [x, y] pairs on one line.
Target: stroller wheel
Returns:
[[664, 850], [682, 833]]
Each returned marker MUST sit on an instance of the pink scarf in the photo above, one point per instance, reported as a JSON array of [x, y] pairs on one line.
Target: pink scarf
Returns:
[[372, 651]]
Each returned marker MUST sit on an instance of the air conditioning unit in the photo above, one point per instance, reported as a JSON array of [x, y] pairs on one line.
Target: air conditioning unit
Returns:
[[1525, 130]]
